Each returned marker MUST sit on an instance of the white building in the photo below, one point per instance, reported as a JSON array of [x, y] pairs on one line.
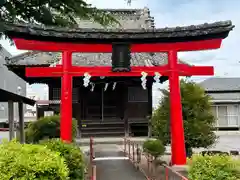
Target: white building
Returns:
[[9, 82], [226, 98]]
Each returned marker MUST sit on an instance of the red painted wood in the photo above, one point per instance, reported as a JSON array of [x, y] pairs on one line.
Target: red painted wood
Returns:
[[44, 71], [178, 46], [107, 48], [58, 47], [184, 70], [66, 99], [176, 119]]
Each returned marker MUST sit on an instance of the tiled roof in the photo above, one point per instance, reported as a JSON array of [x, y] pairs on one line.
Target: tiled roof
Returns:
[[128, 18], [221, 84], [131, 35], [131, 20], [225, 97]]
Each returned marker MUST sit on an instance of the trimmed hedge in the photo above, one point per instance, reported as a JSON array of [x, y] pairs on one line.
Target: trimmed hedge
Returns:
[[71, 153], [47, 128], [29, 162]]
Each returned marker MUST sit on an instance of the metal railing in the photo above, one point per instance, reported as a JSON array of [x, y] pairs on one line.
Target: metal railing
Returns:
[[91, 170], [147, 165]]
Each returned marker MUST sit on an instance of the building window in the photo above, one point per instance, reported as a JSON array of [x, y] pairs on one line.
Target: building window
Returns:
[[233, 115], [137, 94], [226, 115], [75, 95], [56, 94], [222, 116]]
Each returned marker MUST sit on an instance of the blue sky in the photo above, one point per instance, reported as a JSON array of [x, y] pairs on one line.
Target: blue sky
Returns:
[[186, 12]]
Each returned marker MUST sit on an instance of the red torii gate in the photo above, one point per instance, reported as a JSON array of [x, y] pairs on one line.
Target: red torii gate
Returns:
[[207, 37]]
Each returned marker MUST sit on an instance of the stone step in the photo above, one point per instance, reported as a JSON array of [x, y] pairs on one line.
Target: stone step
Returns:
[[103, 134], [101, 122], [102, 128], [109, 140], [106, 128]]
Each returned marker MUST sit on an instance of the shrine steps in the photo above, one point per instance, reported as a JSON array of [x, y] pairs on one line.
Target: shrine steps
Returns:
[[98, 128]]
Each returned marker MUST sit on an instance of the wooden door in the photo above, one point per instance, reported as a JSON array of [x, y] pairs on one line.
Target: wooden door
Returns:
[[93, 103], [110, 104]]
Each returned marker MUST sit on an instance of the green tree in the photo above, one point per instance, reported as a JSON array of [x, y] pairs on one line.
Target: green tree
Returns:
[[52, 12], [197, 116], [47, 128]]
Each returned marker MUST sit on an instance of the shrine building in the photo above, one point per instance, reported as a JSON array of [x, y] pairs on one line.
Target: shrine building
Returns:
[[103, 77], [109, 106]]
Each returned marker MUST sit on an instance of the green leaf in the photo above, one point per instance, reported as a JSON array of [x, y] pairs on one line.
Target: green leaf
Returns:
[[71, 153], [197, 116], [30, 162], [217, 167], [53, 12]]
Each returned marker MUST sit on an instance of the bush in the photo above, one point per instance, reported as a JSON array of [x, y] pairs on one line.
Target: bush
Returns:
[[29, 162], [71, 153], [198, 117], [47, 128], [217, 167], [154, 147]]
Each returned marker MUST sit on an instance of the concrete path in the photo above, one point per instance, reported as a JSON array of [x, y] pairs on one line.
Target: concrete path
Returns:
[[227, 141], [112, 165]]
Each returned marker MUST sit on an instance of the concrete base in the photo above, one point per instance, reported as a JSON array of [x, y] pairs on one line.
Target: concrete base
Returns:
[[180, 168]]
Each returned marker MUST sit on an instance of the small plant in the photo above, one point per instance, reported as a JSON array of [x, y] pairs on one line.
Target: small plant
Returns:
[[28, 161], [154, 148], [71, 153], [217, 167], [47, 128]]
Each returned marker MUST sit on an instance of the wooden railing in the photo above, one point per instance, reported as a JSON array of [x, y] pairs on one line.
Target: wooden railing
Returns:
[[146, 164]]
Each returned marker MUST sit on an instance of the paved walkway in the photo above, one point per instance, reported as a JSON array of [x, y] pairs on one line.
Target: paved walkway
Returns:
[[112, 165], [226, 142]]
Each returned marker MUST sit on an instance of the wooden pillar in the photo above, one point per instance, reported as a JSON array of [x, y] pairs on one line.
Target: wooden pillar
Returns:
[[79, 112], [82, 99], [11, 120], [66, 98], [37, 112], [125, 109], [149, 118], [21, 123], [50, 91], [176, 119]]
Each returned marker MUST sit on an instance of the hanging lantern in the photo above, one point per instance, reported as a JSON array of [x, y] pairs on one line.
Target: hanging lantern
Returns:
[[121, 57]]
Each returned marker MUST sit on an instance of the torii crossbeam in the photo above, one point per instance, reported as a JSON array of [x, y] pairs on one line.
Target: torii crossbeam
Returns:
[[170, 40]]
